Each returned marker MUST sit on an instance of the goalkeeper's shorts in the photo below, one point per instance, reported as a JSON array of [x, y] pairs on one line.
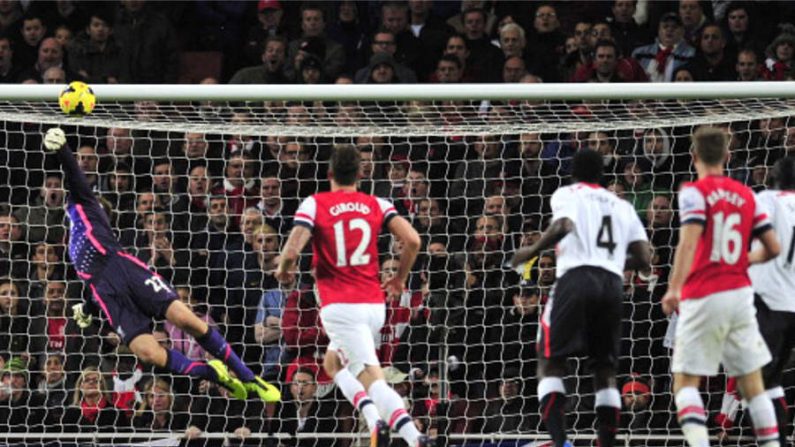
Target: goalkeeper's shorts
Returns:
[[130, 295]]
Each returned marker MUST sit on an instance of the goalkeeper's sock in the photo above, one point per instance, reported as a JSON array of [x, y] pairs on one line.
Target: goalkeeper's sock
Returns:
[[213, 343], [776, 395], [391, 407], [354, 392], [692, 417], [177, 363], [552, 395], [608, 413], [764, 418]]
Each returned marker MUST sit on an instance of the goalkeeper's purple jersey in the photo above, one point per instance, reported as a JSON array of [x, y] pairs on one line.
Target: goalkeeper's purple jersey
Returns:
[[91, 239]]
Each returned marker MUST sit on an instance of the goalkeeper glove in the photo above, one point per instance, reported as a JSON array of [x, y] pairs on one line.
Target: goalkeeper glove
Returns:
[[54, 139], [82, 319]]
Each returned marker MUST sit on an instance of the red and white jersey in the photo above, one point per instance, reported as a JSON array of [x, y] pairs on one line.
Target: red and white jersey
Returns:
[[774, 280], [727, 210], [345, 226]]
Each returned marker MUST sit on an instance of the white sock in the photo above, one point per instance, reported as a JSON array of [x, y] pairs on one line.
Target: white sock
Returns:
[[354, 392], [764, 417], [692, 417], [608, 397], [394, 411]]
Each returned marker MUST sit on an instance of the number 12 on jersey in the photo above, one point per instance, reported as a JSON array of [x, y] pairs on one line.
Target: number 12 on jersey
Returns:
[[358, 257]]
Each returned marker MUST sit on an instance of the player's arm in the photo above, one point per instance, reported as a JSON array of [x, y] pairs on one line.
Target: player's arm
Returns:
[[74, 179], [403, 230], [554, 234], [639, 256], [299, 237], [770, 247]]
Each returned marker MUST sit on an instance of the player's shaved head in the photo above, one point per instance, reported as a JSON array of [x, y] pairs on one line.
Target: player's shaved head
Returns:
[[710, 145], [587, 166], [784, 173], [345, 164]]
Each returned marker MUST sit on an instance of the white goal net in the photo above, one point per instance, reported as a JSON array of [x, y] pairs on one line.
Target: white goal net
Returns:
[[202, 188]]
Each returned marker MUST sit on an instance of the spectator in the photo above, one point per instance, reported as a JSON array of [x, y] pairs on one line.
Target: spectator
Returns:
[[458, 21], [89, 162], [149, 48], [470, 71], [658, 159], [661, 226], [271, 71], [20, 410], [415, 188], [158, 411], [304, 338], [515, 334], [52, 387], [268, 331], [64, 36], [314, 41], [269, 24], [54, 75], [482, 52], [9, 72], [693, 18], [780, 53], [384, 42], [15, 312], [409, 51], [91, 409], [637, 400], [13, 250], [513, 70], [307, 412], [95, 55], [214, 410], [626, 31], [740, 30], [33, 31], [276, 211], [683, 74], [349, 31], [430, 29], [711, 62], [45, 216], [605, 143], [638, 188], [747, 67], [381, 70], [605, 62], [50, 55], [506, 413], [512, 40], [239, 184], [546, 43], [582, 53], [10, 18], [669, 52]]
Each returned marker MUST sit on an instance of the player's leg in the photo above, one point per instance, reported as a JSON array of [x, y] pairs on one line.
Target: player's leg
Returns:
[[604, 338], [700, 337], [352, 389], [760, 407], [778, 331], [148, 350], [690, 411], [552, 397], [744, 355], [211, 340]]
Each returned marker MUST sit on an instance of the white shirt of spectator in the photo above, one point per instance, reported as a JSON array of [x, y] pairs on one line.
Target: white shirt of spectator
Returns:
[[604, 226], [774, 280]]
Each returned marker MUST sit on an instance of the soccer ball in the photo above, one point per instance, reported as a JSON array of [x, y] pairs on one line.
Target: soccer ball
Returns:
[[77, 99]]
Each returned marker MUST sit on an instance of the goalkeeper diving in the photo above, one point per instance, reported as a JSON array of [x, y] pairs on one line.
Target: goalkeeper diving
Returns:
[[129, 295]]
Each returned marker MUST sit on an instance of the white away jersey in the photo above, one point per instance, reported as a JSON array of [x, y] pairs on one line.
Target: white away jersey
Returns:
[[604, 226], [774, 280]]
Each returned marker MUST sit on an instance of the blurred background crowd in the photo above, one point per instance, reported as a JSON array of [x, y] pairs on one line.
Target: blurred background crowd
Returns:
[[209, 211]]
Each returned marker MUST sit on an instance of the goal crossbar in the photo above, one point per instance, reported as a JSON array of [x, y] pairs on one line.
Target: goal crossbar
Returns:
[[418, 92]]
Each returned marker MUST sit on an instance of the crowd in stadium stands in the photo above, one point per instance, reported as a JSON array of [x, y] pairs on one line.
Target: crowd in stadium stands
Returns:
[[209, 212]]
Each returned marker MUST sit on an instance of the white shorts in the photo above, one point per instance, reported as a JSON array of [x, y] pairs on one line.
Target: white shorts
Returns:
[[354, 331], [719, 329]]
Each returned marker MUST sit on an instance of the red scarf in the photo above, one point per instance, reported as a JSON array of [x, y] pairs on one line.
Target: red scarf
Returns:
[[90, 413], [662, 57]]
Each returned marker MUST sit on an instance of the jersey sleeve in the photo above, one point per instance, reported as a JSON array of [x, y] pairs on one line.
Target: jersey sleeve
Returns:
[[563, 204], [74, 179], [762, 221], [387, 209], [692, 207], [636, 230], [306, 213]]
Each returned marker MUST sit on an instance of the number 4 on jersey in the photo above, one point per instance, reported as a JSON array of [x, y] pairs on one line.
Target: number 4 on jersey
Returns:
[[605, 237]]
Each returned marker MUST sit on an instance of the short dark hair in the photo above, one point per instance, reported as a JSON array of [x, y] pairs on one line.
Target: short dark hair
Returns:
[[480, 11], [587, 166], [345, 164], [607, 43], [710, 145], [450, 58], [784, 173]]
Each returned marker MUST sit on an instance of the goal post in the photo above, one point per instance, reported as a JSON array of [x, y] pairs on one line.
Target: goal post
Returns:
[[472, 166]]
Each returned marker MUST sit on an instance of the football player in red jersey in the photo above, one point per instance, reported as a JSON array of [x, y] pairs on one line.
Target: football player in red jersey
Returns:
[[344, 225], [711, 287]]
